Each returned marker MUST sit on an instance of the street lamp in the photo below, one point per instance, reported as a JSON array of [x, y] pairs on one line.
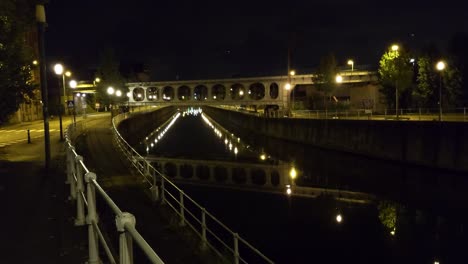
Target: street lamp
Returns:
[[351, 62], [58, 69], [339, 78], [73, 84], [395, 49], [440, 66]]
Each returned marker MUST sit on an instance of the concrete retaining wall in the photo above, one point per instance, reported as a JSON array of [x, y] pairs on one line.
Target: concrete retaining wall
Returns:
[[443, 145]]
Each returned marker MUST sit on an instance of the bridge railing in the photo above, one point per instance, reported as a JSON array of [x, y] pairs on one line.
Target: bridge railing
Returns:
[[83, 188], [226, 243]]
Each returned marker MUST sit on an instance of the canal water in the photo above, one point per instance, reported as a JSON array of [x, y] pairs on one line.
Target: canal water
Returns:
[[419, 214]]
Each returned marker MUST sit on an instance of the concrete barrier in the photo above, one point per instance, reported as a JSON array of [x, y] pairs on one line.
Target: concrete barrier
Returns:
[[428, 143]]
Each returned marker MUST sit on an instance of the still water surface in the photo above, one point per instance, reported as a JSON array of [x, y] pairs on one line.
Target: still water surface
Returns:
[[416, 218]]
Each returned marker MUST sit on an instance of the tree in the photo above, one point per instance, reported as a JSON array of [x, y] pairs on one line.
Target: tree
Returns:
[[326, 76], [458, 53], [395, 73], [109, 75], [15, 55]]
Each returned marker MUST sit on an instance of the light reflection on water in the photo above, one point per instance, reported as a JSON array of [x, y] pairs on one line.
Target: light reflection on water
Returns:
[[409, 222]]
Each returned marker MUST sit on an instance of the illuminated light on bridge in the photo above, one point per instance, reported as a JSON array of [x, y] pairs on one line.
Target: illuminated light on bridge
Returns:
[[293, 173], [288, 190], [235, 150], [393, 232], [262, 156]]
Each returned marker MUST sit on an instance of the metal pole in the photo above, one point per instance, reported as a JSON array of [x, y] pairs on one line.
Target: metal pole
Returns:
[[396, 99], [60, 113], [236, 248], [440, 97], [41, 24], [29, 137], [182, 209]]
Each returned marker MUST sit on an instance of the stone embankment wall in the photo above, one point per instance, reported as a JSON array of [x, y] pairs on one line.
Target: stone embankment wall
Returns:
[[139, 125], [434, 144]]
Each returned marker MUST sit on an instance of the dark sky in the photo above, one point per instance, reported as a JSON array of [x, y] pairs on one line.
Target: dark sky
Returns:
[[208, 39]]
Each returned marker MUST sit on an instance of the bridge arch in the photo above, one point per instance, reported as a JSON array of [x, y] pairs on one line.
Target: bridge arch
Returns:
[[274, 90], [256, 91], [200, 92], [183, 93], [237, 91], [168, 93], [138, 94], [218, 92], [152, 93]]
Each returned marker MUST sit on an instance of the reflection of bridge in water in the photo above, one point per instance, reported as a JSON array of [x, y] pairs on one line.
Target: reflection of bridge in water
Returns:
[[272, 178], [268, 90]]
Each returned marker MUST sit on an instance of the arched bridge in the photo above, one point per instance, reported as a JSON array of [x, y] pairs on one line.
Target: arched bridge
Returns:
[[270, 90]]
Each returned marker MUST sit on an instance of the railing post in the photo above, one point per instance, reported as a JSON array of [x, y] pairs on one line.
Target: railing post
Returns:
[[182, 208], [236, 248], [154, 189], [80, 218], [162, 191], [125, 239], [71, 172], [91, 219], [203, 227]]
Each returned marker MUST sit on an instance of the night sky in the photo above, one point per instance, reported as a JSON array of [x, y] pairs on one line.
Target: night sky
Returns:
[[210, 39]]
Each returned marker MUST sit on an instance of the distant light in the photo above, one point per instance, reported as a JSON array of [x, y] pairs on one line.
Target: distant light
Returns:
[[292, 73], [241, 92], [225, 141], [235, 150], [392, 232], [214, 96], [440, 66], [139, 95], [436, 262], [35, 62], [395, 47], [287, 86], [83, 95], [350, 62], [250, 92], [129, 94], [110, 90], [293, 173], [339, 218], [411, 60], [58, 69], [288, 190], [339, 78], [263, 157], [73, 84], [97, 80], [68, 73]]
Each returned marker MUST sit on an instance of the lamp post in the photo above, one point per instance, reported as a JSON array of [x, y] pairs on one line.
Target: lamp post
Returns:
[[395, 50], [110, 92], [351, 62], [58, 69], [41, 25], [73, 85], [440, 66]]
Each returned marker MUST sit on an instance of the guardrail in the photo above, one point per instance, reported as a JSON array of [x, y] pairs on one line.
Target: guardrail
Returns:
[[83, 186], [226, 243]]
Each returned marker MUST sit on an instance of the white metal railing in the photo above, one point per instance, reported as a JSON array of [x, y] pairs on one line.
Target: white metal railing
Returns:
[[412, 114], [212, 232], [83, 187]]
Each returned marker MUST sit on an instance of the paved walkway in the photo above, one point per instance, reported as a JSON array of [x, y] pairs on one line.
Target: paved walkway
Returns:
[[37, 218]]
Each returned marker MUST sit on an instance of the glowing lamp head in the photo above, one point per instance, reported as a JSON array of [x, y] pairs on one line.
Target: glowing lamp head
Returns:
[[339, 79], [293, 173], [440, 66], [292, 73], [118, 93], [339, 218], [68, 73], [58, 69], [395, 47], [287, 86], [35, 62], [110, 90], [73, 84], [350, 62]]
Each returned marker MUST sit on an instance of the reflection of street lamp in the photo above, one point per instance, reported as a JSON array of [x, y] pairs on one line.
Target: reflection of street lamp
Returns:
[[58, 69], [351, 62], [440, 67], [395, 50]]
